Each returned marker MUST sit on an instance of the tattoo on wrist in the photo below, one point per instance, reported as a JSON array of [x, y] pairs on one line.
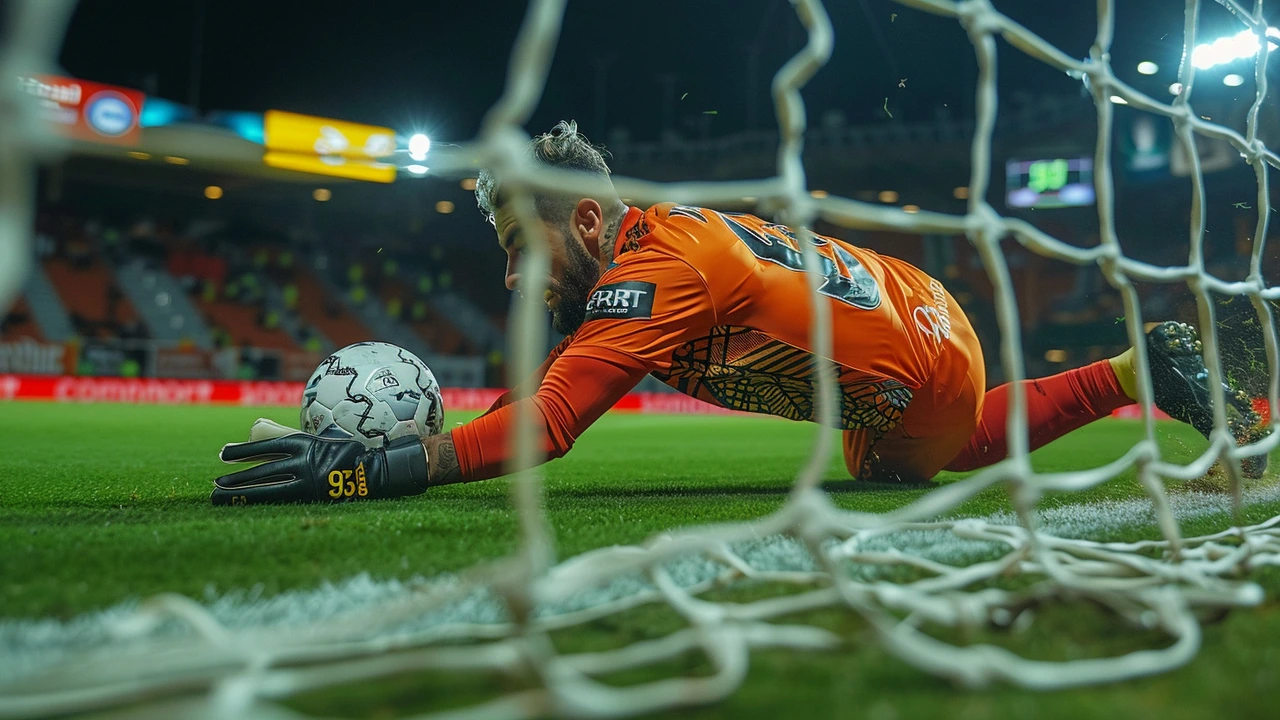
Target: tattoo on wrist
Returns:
[[442, 460]]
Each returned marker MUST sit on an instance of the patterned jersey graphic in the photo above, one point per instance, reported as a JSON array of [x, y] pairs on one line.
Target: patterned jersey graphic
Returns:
[[743, 369]]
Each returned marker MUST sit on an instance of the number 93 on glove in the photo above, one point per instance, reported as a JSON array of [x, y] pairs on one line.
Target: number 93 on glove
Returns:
[[295, 467]]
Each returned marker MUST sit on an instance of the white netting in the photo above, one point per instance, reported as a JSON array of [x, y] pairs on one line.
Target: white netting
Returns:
[[33, 34], [1158, 584]]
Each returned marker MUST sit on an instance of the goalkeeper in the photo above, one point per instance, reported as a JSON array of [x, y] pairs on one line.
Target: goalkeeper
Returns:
[[717, 306]]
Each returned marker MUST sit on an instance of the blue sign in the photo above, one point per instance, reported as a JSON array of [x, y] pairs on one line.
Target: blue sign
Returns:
[[110, 113]]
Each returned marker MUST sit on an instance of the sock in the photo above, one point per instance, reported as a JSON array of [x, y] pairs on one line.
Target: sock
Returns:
[[1056, 405], [1126, 374]]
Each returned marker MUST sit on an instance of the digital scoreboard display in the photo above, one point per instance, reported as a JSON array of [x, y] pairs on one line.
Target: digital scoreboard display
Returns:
[[1049, 183]]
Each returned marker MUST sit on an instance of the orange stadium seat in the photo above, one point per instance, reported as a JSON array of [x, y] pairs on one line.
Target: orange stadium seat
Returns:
[[241, 324], [20, 324], [327, 314], [86, 292], [441, 334]]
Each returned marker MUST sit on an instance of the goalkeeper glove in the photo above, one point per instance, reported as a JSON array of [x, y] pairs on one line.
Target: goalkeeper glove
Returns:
[[297, 467], [264, 429]]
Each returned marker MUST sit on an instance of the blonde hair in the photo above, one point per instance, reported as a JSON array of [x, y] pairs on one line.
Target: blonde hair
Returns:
[[565, 148]]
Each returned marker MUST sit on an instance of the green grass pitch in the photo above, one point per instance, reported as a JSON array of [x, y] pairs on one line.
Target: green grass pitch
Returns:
[[104, 504]]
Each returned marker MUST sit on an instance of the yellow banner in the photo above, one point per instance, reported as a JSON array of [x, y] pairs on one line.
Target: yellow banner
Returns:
[[328, 147], [334, 165]]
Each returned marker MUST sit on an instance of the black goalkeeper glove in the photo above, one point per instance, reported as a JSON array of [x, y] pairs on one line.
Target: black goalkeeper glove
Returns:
[[298, 467]]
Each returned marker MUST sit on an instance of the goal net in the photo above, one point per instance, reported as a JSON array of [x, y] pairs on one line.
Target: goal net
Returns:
[[174, 655]]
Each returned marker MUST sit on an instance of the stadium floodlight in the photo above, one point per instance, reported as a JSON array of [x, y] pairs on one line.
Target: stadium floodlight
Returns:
[[1146, 67], [419, 144], [1233, 80], [417, 169], [1240, 46]]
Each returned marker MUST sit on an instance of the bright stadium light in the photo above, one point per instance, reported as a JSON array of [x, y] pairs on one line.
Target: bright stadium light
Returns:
[[417, 169], [1233, 80], [419, 144], [1243, 44], [1146, 67]]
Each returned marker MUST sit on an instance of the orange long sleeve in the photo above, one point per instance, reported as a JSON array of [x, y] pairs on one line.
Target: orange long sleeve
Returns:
[[530, 384], [575, 392]]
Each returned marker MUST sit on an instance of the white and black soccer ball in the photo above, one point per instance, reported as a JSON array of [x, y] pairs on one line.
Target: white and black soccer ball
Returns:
[[373, 392]]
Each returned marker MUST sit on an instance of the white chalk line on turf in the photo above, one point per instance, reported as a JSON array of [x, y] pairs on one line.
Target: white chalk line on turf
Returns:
[[27, 646]]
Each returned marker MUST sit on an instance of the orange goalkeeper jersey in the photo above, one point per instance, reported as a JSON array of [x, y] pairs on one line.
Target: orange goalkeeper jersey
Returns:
[[717, 306]]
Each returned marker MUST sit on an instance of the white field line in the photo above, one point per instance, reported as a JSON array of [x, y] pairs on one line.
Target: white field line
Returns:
[[29, 645]]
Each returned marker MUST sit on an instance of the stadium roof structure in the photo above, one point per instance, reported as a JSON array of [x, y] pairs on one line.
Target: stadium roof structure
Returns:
[[204, 147]]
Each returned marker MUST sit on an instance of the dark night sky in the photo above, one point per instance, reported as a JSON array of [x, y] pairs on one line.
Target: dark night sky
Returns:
[[437, 66]]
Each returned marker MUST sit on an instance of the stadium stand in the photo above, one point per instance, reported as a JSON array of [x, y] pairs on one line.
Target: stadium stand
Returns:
[[324, 312], [314, 281], [245, 325], [88, 289], [413, 307], [19, 323]]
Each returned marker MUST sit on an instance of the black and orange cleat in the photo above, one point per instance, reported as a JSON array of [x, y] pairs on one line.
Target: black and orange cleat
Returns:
[[1181, 383]]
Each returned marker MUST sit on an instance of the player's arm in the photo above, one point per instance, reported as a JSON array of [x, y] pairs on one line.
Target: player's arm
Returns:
[[608, 355], [265, 428], [297, 467], [576, 391], [529, 385], [641, 313]]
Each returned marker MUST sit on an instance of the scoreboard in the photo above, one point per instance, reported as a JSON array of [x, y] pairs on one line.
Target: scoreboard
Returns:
[[1049, 183]]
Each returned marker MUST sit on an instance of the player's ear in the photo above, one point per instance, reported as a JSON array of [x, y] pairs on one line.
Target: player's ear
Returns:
[[588, 221]]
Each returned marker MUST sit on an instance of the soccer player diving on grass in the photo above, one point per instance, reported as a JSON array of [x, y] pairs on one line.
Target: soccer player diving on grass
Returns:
[[716, 305]]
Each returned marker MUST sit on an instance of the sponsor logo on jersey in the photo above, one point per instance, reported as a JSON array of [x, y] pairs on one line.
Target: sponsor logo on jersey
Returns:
[[631, 300], [631, 240], [934, 321]]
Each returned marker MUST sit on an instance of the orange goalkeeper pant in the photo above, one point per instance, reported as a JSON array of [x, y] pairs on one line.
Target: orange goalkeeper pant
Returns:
[[971, 431]]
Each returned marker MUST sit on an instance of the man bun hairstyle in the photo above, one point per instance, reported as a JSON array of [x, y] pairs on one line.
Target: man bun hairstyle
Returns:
[[564, 148]]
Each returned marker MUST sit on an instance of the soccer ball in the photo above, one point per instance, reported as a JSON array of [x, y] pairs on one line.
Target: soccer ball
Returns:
[[373, 392]]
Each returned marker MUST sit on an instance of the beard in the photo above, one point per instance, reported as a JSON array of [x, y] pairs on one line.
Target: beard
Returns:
[[580, 275]]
